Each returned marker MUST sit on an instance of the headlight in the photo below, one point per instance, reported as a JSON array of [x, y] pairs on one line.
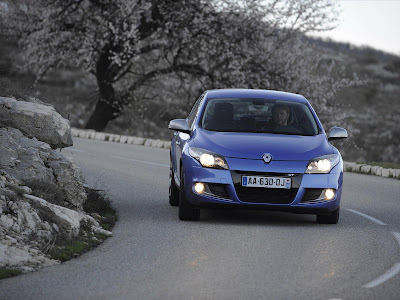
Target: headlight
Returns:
[[208, 159], [323, 164]]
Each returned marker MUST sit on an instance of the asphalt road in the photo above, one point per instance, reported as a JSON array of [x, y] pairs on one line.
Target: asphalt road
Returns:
[[228, 254]]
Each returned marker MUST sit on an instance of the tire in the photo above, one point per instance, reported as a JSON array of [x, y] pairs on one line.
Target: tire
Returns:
[[187, 212], [173, 189], [332, 218]]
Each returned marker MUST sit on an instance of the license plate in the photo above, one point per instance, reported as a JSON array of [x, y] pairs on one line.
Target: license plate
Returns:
[[267, 182]]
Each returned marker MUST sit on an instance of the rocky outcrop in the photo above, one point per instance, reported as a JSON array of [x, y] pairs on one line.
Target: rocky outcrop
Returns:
[[66, 220], [29, 225], [41, 190], [23, 231], [36, 120], [25, 159]]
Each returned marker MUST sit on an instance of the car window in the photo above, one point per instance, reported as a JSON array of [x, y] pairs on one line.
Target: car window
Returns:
[[258, 115], [193, 111]]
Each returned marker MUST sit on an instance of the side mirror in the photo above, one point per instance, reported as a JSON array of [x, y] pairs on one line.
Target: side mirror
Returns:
[[179, 125], [337, 133]]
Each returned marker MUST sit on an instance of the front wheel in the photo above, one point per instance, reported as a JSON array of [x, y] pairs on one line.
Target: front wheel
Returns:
[[187, 212], [332, 218]]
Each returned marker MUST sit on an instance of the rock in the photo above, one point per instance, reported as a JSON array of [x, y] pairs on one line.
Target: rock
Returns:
[[148, 142], [10, 240], [82, 134], [30, 152], [55, 227], [158, 144], [67, 220], [18, 256], [366, 169], [374, 170], [100, 136], [123, 139], [27, 161], [36, 120], [75, 132], [385, 172], [68, 177], [96, 216], [28, 219], [45, 226], [39, 161], [25, 189], [167, 145], [392, 173], [90, 134], [138, 141], [100, 230], [115, 138], [356, 167], [379, 171]]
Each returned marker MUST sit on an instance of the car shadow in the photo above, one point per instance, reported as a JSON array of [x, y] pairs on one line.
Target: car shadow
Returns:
[[255, 217]]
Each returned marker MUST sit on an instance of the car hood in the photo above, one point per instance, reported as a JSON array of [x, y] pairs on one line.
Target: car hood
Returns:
[[254, 145]]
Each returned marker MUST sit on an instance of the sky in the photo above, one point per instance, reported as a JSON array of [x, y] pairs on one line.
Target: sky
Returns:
[[374, 23]]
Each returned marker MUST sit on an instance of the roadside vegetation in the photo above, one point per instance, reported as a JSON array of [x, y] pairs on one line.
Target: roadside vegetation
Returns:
[[98, 206], [9, 272], [387, 165]]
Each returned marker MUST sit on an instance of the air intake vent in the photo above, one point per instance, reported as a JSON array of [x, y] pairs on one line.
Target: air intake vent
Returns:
[[313, 195], [218, 190]]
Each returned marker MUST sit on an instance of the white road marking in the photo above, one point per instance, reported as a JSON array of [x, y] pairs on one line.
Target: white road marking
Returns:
[[142, 161], [397, 236], [367, 217], [388, 275]]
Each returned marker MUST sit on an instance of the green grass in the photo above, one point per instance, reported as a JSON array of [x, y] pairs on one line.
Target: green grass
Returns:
[[67, 249], [385, 165], [49, 191], [97, 202], [8, 272]]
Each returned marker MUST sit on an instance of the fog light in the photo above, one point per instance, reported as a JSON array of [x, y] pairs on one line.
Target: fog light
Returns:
[[329, 194], [199, 187]]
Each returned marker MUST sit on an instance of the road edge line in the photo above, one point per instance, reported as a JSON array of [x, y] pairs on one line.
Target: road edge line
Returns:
[[393, 271], [367, 217]]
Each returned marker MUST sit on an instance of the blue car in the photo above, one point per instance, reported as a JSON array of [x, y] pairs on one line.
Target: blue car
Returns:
[[255, 149]]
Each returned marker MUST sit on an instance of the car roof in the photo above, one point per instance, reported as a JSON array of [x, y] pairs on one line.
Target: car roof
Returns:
[[250, 93]]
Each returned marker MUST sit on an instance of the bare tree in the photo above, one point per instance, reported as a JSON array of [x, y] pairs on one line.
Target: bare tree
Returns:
[[126, 44]]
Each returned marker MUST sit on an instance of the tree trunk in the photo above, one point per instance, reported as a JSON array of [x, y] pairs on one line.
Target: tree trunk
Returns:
[[103, 113], [108, 107]]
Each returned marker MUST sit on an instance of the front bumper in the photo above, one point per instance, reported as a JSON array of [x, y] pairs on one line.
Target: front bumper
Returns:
[[233, 196]]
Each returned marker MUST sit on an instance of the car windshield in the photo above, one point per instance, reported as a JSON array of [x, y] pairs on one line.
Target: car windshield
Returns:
[[258, 115]]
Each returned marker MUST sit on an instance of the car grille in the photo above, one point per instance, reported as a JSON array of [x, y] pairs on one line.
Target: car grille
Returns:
[[266, 195]]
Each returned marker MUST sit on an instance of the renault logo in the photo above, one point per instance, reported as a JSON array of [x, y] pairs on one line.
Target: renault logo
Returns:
[[267, 157]]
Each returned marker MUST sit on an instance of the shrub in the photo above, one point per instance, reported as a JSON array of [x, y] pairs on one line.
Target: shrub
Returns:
[[47, 191]]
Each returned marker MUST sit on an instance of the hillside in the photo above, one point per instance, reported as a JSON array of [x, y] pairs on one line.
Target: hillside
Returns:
[[370, 111]]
